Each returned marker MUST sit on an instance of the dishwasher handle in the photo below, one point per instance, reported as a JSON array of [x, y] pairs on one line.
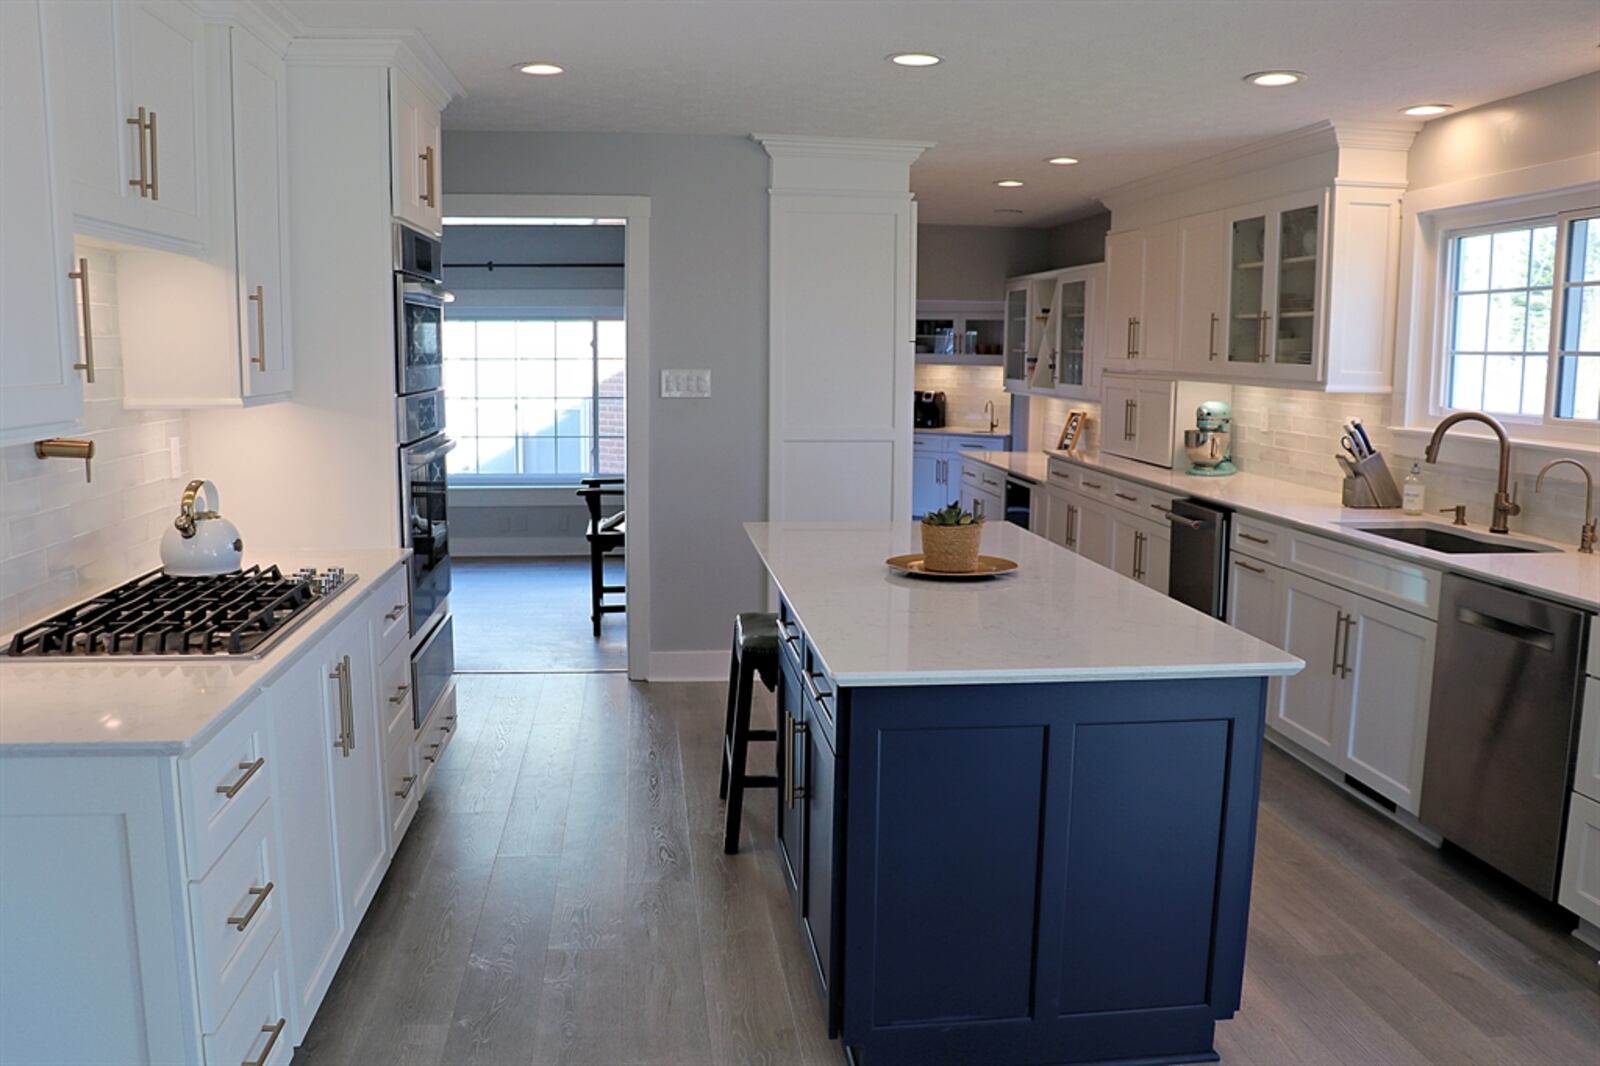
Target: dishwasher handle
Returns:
[[1543, 639]]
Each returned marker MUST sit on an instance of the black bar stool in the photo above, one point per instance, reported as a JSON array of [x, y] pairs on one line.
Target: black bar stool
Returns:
[[755, 651]]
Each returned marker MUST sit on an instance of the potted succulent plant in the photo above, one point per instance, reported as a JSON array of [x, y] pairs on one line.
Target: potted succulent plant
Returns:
[[950, 539]]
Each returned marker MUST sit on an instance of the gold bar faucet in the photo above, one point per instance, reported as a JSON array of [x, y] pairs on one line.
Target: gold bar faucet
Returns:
[[67, 448]]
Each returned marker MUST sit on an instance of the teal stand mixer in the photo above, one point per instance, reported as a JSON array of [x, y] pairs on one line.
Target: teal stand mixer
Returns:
[[1209, 444]]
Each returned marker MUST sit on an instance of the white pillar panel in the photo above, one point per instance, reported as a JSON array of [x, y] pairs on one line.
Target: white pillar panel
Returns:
[[842, 246]]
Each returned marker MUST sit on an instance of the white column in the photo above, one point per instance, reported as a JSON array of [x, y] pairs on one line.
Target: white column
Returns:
[[842, 246]]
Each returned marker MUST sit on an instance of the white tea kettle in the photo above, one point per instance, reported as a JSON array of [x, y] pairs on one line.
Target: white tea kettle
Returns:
[[201, 543]]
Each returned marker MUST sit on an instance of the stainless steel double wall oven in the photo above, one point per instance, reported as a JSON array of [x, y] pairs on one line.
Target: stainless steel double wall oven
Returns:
[[419, 300]]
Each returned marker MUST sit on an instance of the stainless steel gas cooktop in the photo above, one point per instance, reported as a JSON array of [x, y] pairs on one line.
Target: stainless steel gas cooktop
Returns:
[[230, 616]]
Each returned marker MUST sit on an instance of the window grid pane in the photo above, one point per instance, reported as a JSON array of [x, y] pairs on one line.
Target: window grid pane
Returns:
[[523, 398], [1499, 331]]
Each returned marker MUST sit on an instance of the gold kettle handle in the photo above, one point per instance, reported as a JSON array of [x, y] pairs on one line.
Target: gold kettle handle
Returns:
[[187, 515]]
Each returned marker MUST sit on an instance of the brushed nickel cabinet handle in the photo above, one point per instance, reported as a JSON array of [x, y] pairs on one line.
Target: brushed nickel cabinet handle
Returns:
[[410, 781], [1138, 327], [1211, 341], [1092, 485], [1253, 539], [1344, 653], [155, 161], [400, 694], [1125, 496], [260, 893], [273, 1032], [1334, 655], [259, 298], [1262, 353], [142, 128], [249, 769], [1138, 556], [791, 790], [1130, 338], [1250, 567], [81, 276], [346, 742], [394, 615]]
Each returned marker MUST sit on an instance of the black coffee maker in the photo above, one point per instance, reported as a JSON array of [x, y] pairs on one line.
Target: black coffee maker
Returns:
[[928, 412]]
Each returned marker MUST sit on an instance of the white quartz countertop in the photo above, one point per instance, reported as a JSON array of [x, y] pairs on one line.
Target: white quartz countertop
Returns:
[[1565, 575], [1030, 466], [131, 706], [964, 431], [1058, 617]]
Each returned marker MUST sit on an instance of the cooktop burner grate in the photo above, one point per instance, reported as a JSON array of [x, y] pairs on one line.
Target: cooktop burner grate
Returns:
[[236, 615]]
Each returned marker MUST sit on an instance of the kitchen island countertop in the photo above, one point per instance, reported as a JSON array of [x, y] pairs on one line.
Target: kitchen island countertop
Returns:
[[1059, 617]]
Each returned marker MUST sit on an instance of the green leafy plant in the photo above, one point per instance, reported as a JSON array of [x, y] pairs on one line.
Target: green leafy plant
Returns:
[[953, 515]]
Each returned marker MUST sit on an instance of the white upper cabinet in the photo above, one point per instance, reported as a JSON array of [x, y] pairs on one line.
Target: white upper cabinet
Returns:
[[1202, 321], [1142, 271], [40, 390], [1078, 344], [130, 77], [1274, 286], [414, 167], [261, 212]]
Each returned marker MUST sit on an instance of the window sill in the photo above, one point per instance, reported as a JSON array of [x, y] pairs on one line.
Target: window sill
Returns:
[[514, 496]]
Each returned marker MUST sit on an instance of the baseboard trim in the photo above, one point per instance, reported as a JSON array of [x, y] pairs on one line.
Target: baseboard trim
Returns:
[[518, 547], [688, 666]]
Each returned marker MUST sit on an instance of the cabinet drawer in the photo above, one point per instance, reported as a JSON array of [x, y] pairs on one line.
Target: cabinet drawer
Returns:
[[1141, 500], [1587, 777], [394, 688], [402, 777], [988, 477], [391, 614], [1095, 484], [978, 444], [435, 737], [1401, 583], [223, 784], [235, 911], [1580, 861], [969, 474], [1063, 475], [256, 1030], [821, 696], [1257, 539]]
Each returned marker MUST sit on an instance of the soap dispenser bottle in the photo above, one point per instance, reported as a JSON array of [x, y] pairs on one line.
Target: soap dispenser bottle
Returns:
[[1413, 495]]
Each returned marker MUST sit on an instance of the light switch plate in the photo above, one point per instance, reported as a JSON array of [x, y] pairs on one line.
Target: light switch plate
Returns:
[[677, 384]]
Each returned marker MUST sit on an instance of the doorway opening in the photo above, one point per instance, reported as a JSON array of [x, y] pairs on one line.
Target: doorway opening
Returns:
[[543, 351]]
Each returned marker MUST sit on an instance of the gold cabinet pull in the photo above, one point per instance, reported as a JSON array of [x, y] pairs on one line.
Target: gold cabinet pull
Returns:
[[410, 780], [259, 298], [273, 1032], [249, 769], [1211, 342], [1252, 538], [142, 182], [427, 162], [241, 920], [81, 276], [1250, 567], [400, 694]]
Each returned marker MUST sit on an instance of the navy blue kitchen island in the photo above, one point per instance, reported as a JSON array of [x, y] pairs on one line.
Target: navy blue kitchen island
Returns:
[[1017, 818]]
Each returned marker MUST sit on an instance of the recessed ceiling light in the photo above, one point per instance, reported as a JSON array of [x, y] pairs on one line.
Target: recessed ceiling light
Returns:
[[1009, 183], [1428, 110], [1275, 79], [914, 59], [1061, 161], [542, 70]]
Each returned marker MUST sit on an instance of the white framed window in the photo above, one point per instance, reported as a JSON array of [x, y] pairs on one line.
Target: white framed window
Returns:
[[1520, 322], [535, 401]]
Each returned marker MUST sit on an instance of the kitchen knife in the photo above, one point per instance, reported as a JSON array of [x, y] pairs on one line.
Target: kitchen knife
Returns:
[[1361, 431]]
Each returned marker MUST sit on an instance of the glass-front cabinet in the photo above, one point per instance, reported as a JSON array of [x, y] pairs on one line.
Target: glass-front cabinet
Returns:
[[1072, 318], [967, 332], [1016, 339], [1274, 272]]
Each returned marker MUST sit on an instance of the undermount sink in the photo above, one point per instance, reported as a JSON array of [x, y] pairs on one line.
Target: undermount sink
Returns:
[[1450, 543]]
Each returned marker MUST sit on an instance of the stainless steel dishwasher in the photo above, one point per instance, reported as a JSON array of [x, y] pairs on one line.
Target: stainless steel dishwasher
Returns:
[[1198, 569], [1503, 727]]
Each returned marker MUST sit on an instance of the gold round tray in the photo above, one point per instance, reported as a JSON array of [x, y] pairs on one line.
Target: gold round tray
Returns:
[[988, 566]]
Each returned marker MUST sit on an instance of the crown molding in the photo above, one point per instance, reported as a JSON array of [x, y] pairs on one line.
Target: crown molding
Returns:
[[268, 20], [1387, 136], [780, 146], [407, 51]]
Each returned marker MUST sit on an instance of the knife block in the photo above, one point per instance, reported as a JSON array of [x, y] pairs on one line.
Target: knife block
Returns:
[[1368, 484]]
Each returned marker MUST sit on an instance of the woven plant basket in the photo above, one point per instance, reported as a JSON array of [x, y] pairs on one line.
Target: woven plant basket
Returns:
[[951, 549]]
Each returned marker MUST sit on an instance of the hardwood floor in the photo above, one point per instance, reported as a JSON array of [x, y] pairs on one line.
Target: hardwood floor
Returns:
[[562, 898], [532, 615]]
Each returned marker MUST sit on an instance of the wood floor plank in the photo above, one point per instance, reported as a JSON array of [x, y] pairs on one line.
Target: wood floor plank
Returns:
[[582, 1001], [537, 820], [489, 779]]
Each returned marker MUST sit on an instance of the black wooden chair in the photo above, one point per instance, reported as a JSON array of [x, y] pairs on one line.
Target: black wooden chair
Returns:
[[604, 535]]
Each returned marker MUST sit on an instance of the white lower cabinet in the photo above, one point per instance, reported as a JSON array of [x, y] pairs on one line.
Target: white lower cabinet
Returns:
[[1255, 605], [1579, 891], [1361, 703], [1140, 550], [1093, 537]]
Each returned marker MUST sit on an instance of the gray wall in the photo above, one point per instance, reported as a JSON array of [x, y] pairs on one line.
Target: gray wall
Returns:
[[1078, 242], [1557, 122], [973, 262], [708, 295]]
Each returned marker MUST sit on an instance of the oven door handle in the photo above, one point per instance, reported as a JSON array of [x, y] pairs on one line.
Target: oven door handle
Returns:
[[422, 292], [416, 454]]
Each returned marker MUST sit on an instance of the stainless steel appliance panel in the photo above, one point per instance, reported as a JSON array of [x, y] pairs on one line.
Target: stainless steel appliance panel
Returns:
[[432, 664], [1198, 570], [1502, 727], [420, 415], [426, 531], [418, 254], [419, 335]]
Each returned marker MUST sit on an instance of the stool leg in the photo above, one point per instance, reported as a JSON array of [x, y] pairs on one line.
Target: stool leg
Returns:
[[727, 728], [741, 744], [597, 574]]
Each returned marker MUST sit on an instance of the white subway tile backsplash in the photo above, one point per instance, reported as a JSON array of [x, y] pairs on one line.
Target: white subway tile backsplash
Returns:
[[966, 389], [62, 538]]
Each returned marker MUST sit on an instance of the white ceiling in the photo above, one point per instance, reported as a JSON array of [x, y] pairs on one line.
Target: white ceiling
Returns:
[[1131, 88]]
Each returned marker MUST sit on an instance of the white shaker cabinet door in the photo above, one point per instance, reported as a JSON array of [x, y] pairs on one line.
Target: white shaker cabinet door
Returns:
[[355, 766], [1579, 891], [1255, 605], [131, 79], [1306, 710], [261, 185], [40, 391], [1386, 659], [1094, 533]]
